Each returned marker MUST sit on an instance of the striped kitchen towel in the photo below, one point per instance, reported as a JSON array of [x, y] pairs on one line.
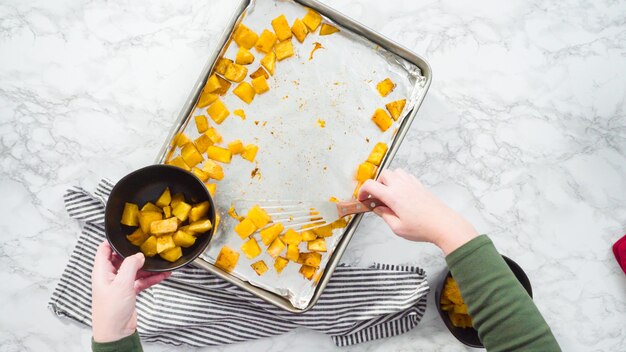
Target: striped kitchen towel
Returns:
[[196, 308]]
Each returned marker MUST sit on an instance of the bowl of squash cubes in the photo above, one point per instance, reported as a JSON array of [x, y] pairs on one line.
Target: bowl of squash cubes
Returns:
[[163, 211], [453, 310]]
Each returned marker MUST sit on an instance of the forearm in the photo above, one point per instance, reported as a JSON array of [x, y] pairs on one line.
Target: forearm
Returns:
[[127, 344], [502, 312]]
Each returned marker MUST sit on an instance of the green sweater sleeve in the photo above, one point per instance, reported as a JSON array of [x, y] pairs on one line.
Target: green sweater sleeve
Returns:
[[127, 344], [502, 311]]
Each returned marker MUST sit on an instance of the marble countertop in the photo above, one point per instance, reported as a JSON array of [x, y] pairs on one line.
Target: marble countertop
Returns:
[[523, 131]]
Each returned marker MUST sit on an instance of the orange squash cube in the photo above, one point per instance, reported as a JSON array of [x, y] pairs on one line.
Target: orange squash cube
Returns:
[[339, 224], [395, 108], [258, 216], [365, 172], [203, 142], [179, 162], [260, 85], [224, 85], [381, 119], [251, 248], [327, 29], [212, 84], [312, 20], [138, 237], [377, 154], [214, 135], [181, 210], [385, 87], [172, 254], [177, 198], [191, 155], [281, 28], [299, 30], [201, 226], [183, 239], [203, 176], [218, 112], [213, 170], [307, 271], [221, 65], [236, 146], [206, 99], [245, 228], [129, 214], [198, 211], [220, 154], [167, 211], [292, 237], [245, 92], [280, 263], [227, 259], [236, 73], [308, 235], [293, 253], [151, 207], [266, 41], [259, 267], [249, 152], [311, 259], [202, 124], [260, 72], [318, 245], [164, 243], [245, 37], [211, 187], [269, 62], [244, 57], [323, 231], [284, 50], [268, 235], [275, 248], [146, 218], [149, 247]]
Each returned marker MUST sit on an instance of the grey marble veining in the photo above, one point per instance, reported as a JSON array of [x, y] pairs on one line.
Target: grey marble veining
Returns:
[[523, 131]]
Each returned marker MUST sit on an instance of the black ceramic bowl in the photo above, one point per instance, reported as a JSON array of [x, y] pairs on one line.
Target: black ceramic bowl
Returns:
[[469, 336], [146, 185]]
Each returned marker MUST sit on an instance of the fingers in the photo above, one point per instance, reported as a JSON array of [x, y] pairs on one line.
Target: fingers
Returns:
[[102, 262], [150, 280], [129, 268], [376, 189]]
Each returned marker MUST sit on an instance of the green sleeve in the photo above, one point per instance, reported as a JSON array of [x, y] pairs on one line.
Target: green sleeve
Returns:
[[502, 311], [127, 344]]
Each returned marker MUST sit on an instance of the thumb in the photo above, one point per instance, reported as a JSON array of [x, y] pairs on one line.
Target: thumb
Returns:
[[129, 268]]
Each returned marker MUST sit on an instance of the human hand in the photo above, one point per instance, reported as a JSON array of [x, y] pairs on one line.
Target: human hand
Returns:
[[412, 212], [115, 285]]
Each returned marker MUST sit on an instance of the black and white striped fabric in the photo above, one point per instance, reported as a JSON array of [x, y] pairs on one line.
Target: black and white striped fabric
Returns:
[[194, 307]]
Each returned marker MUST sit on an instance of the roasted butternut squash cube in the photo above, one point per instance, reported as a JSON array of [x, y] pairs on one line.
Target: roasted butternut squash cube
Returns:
[[308, 235], [222, 64], [191, 155], [202, 124], [299, 30], [177, 198], [218, 111], [236, 73], [365, 171], [250, 248], [269, 234], [172, 254], [211, 187], [180, 139], [200, 226], [220, 154], [214, 136], [165, 198], [181, 211], [206, 99], [258, 73], [227, 259], [258, 216], [149, 247], [161, 227], [183, 239], [311, 259], [213, 169], [307, 271], [203, 142], [284, 50], [245, 228], [236, 146], [385, 87], [151, 207], [377, 154], [339, 224], [224, 86], [138, 237], [323, 231], [266, 41], [212, 84], [167, 211], [245, 37], [292, 237], [244, 56], [129, 214], [275, 248], [281, 28], [312, 20], [293, 253], [327, 29], [395, 108], [179, 162], [382, 120], [249, 152], [164, 243], [245, 92], [259, 267], [269, 62], [318, 245], [146, 218], [198, 211], [280, 263], [260, 85]]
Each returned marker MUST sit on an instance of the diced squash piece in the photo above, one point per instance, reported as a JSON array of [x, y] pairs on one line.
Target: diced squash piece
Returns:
[[179, 162], [245, 37], [281, 28], [339, 224], [236, 73], [245, 92], [249, 152], [177, 198], [299, 30], [258, 216], [312, 20], [218, 112], [224, 85], [269, 234], [308, 235], [181, 211], [318, 245], [311, 259], [198, 211], [382, 120], [395, 108], [269, 62], [461, 309], [236, 146], [214, 136], [146, 218], [259, 267], [220, 154], [213, 170], [212, 84], [167, 211], [377, 154], [206, 99], [165, 198], [284, 50], [129, 214], [180, 139], [202, 124], [245, 228], [200, 226], [138, 237], [227, 259], [211, 187], [203, 142], [365, 171], [293, 253], [327, 29], [250, 248], [161, 227], [280, 263], [385, 87], [222, 64], [260, 72], [151, 207], [183, 239], [266, 41], [292, 237], [172, 254], [164, 243], [260, 85], [191, 155], [307, 271], [275, 248], [149, 247], [323, 231], [244, 57]]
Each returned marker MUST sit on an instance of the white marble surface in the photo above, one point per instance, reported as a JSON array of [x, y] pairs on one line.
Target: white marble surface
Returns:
[[523, 131]]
